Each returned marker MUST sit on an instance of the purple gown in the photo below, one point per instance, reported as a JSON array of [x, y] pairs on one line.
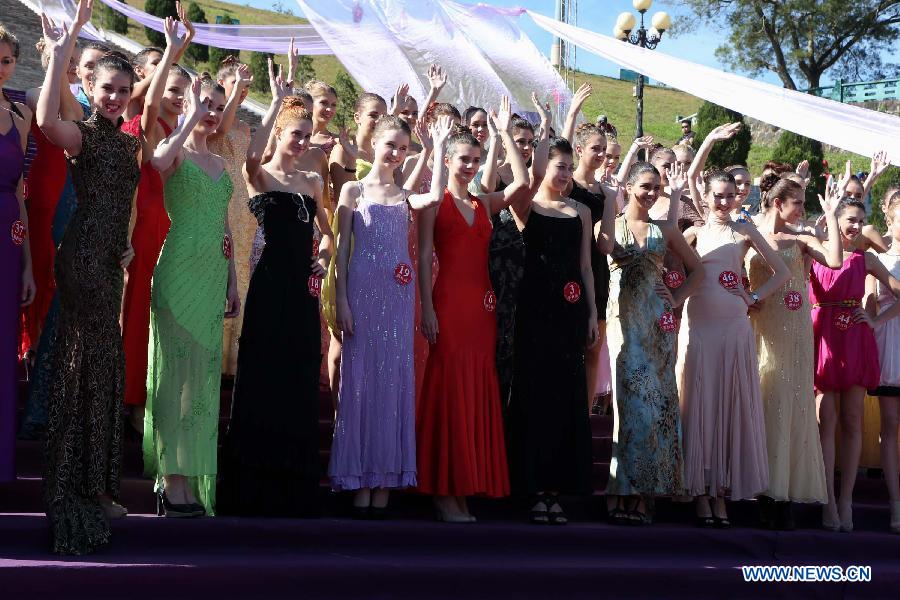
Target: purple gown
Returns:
[[375, 431], [12, 236]]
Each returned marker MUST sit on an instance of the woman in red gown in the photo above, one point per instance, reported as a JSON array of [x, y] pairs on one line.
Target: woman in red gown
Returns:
[[459, 428], [43, 188], [162, 106]]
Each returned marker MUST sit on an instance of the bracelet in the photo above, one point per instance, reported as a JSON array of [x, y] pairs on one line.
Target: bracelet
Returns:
[[350, 169]]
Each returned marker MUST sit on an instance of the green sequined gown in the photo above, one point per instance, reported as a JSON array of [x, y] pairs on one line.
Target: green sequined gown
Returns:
[[187, 306]]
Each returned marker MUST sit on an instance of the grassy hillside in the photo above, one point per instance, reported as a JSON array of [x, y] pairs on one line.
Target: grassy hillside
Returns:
[[611, 97]]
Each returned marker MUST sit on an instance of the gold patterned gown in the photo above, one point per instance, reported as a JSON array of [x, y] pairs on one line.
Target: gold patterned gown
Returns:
[[784, 345], [84, 433], [646, 453], [233, 148]]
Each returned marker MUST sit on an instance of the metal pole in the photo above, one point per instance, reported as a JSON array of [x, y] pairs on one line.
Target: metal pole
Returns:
[[639, 128]]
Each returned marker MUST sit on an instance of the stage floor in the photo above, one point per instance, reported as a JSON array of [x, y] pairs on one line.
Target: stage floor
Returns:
[[414, 557]]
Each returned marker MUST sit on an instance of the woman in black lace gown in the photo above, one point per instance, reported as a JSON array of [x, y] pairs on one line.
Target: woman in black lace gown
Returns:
[[84, 445]]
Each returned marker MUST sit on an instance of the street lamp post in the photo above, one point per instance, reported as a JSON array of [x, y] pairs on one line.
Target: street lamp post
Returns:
[[624, 30]]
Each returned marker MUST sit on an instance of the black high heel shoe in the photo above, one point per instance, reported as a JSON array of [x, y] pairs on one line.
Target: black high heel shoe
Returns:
[[177, 511]]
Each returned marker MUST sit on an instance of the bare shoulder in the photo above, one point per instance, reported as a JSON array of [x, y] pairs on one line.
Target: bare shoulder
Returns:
[[315, 180]]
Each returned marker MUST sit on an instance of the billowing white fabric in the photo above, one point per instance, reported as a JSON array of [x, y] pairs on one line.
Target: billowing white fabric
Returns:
[[846, 126], [273, 39], [384, 43], [63, 11]]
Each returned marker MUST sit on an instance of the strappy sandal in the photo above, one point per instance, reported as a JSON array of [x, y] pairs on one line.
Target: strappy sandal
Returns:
[[557, 517], [540, 517], [636, 516]]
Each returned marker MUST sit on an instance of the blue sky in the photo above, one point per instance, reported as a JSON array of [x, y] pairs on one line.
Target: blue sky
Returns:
[[599, 16]]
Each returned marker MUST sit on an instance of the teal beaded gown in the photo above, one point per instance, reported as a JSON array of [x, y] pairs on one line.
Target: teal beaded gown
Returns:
[[187, 307]]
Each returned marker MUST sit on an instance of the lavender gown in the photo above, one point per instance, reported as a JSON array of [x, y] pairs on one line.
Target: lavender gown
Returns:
[[374, 435], [11, 239]]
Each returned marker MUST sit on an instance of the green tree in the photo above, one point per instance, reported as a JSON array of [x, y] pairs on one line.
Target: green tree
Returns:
[[113, 19], [723, 154], [162, 9], [217, 55], [346, 93], [794, 149], [259, 68], [803, 39], [305, 70], [196, 52]]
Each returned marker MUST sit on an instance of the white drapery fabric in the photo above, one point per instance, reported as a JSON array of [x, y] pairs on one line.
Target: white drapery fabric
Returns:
[[383, 43], [273, 39], [846, 126]]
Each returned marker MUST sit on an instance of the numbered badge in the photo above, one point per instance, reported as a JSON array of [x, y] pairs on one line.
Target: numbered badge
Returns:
[[403, 273], [673, 279], [572, 292], [314, 283], [490, 301], [728, 280], [843, 320], [793, 300], [226, 246], [17, 232], [667, 322]]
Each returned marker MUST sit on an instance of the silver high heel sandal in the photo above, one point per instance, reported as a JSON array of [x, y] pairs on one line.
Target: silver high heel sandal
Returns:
[[827, 522], [847, 523]]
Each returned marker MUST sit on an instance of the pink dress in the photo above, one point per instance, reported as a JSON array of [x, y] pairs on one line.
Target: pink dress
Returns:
[[846, 352]]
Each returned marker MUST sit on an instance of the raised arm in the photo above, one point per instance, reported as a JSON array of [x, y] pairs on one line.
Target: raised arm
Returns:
[[399, 98], [488, 180], [242, 80], [64, 134], [578, 100], [257, 145], [880, 163], [413, 177], [439, 131], [641, 143], [174, 45], [677, 182], [517, 194], [604, 231], [169, 150], [437, 79], [719, 134]]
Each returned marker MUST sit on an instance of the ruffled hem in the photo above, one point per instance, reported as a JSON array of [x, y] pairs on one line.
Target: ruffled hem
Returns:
[[343, 483]]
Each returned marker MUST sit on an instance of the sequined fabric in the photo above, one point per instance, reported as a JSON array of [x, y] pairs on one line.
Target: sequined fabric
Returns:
[[187, 306], [646, 452], [374, 434], [84, 433], [784, 344]]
